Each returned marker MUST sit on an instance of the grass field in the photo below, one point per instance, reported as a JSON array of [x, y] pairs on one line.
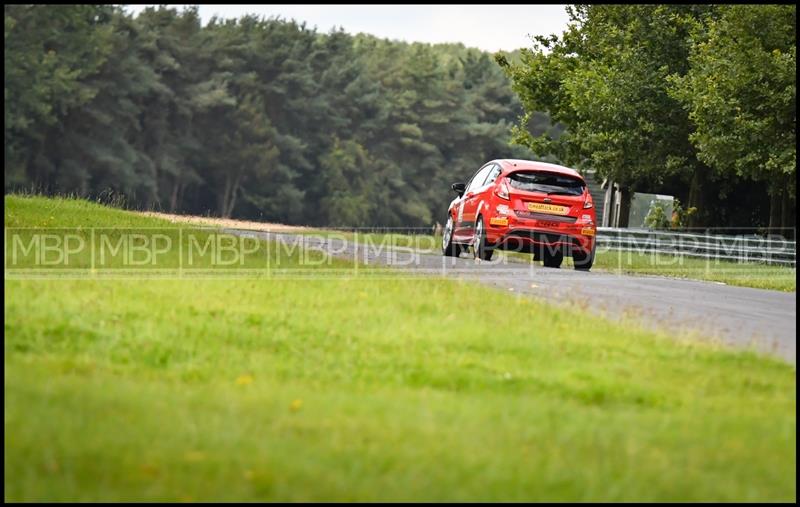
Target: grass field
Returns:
[[361, 388]]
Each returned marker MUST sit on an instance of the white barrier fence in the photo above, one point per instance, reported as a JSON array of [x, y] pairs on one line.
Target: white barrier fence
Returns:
[[769, 250]]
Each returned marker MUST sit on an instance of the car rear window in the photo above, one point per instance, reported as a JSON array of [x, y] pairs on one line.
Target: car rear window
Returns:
[[549, 183]]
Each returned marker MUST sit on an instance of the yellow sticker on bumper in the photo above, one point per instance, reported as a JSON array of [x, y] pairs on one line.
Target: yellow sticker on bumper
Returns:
[[553, 209], [498, 221]]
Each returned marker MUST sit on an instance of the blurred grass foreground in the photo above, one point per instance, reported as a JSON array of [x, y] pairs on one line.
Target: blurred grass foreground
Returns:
[[364, 388]]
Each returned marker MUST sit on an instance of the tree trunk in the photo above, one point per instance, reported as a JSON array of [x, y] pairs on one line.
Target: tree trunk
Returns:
[[624, 205], [232, 198], [787, 215], [695, 199], [223, 199], [173, 200], [39, 175], [774, 210], [181, 191]]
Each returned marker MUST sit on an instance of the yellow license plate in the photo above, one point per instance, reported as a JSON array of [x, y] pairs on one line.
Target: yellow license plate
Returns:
[[553, 209]]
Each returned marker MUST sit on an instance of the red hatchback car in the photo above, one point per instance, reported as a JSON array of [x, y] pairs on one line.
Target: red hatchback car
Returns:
[[525, 206]]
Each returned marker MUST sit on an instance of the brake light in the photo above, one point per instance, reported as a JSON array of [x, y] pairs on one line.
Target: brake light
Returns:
[[587, 204], [502, 190]]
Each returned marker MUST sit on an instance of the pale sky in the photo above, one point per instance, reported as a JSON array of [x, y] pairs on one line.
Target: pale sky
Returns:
[[488, 27]]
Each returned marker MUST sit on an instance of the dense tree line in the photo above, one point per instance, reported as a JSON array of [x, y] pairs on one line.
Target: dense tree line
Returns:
[[697, 101], [266, 118], [253, 117]]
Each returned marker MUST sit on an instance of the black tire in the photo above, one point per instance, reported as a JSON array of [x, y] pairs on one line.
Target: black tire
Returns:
[[582, 260], [480, 249], [449, 248], [552, 260]]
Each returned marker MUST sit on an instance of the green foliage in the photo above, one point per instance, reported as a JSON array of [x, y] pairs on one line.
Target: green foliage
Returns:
[[695, 100], [252, 117], [680, 216], [657, 216], [50, 52], [605, 78], [741, 93], [246, 117]]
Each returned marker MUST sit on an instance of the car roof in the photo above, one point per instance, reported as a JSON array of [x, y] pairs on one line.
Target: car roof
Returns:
[[512, 164]]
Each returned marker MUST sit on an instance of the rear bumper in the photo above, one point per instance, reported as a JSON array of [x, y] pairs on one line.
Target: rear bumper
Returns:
[[522, 235], [522, 239]]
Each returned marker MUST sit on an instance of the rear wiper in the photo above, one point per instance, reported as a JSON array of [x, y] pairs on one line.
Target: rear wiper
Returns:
[[560, 192]]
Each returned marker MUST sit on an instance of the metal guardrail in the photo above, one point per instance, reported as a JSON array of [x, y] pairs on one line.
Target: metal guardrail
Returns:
[[707, 246], [735, 248]]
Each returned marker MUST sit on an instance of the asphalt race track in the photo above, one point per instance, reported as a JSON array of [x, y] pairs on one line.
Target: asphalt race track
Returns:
[[737, 316]]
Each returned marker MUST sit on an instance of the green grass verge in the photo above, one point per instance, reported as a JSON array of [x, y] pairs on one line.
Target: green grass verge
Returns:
[[759, 276], [356, 388], [164, 246]]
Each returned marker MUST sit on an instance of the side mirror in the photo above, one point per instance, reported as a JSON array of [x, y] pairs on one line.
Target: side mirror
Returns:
[[459, 188]]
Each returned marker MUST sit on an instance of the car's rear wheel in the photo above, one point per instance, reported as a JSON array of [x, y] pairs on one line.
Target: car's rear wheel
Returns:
[[582, 260], [449, 248], [552, 259], [479, 247]]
